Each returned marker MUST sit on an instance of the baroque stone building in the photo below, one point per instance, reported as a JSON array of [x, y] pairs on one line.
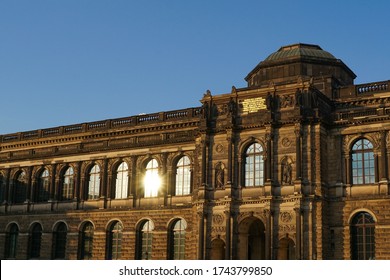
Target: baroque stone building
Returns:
[[293, 166]]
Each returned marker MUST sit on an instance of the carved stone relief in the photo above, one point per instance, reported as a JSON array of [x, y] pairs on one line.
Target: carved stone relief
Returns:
[[286, 217]]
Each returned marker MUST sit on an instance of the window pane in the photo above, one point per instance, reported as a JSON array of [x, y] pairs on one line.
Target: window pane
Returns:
[[178, 240], [21, 188], [94, 183], [254, 166], [35, 242], [68, 184], [152, 179], [43, 186], [146, 236], [183, 177], [11, 242], [86, 242], [363, 164], [115, 241], [59, 241], [363, 237], [122, 181]]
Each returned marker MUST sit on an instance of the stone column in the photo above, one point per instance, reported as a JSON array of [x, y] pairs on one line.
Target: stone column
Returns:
[[77, 184], [32, 185], [132, 179], [383, 168], [298, 232], [164, 178], [305, 233], [53, 183], [228, 234], [298, 156], [7, 185], [201, 234], [204, 162], [268, 157], [298, 152], [104, 181], [234, 234], [272, 235], [268, 234], [229, 139]]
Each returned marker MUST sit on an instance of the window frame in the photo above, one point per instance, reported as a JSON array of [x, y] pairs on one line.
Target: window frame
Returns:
[[121, 181], [94, 183], [35, 241], [177, 240], [67, 184], [11, 241], [183, 177], [59, 241], [152, 169], [43, 184], [253, 166], [144, 240], [362, 230], [86, 235], [20, 187], [363, 165], [114, 241]]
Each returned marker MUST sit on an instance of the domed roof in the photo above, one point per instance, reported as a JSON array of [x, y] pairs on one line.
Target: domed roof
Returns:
[[299, 51], [304, 60]]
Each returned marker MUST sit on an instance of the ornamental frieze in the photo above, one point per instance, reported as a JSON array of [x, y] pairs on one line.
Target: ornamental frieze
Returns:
[[287, 228], [220, 229]]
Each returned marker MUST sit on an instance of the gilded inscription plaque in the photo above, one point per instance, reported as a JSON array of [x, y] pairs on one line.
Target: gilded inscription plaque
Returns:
[[253, 105]]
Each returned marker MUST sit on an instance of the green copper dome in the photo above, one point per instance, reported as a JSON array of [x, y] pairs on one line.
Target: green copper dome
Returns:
[[299, 51]]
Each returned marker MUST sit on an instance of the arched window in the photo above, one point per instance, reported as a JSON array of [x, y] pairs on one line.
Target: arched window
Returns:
[[20, 193], [183, 176], [176, 239], [363, 237], [11, 240], [86, 242], [144, 240], [122, 181], [152, 180], [34, 242], [94, 182], [114, 241], [363, 164], [254, 166], [67, 187], [43, 186], [59, 241]]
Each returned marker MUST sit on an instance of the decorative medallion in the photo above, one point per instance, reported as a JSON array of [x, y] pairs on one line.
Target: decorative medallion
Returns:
[[217, 219], [219, 148], [285, 217], [286, 142]]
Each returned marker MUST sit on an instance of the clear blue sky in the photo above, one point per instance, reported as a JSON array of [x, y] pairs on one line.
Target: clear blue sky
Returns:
[[72, 61]]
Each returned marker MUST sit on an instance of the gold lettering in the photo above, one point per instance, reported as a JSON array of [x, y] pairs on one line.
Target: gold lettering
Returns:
[[253, 105]]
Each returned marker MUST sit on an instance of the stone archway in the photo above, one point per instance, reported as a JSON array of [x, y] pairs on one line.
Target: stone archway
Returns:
[[286, 249], [251, 239], [218, 249]]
